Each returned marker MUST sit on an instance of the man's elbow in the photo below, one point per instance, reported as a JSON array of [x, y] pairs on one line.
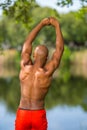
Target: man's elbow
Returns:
[[61, 48]]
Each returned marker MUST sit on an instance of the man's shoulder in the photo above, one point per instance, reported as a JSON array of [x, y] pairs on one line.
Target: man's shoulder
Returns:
[[27, 68], [48, 64]]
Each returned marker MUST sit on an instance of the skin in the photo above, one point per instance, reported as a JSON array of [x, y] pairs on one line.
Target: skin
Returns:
[[35, 78]]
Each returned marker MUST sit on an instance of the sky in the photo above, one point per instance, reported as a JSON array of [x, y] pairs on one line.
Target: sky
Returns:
[[52, 4]]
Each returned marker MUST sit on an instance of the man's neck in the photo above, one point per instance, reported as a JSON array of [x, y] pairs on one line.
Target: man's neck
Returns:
[[38, 64]]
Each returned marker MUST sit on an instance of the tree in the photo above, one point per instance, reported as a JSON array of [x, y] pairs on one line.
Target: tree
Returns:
[[21, 10], [13, 34], [69, 2], [74, 29], [7, 3]]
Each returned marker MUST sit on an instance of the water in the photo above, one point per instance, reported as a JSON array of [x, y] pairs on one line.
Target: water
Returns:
[[67, 118], [6, 118], [66, 102], [59, 118]]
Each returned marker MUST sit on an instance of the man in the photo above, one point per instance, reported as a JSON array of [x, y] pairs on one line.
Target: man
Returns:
[[35, 79]]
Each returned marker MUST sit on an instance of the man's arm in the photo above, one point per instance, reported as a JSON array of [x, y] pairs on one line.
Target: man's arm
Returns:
[[27, 47], [52, 65]]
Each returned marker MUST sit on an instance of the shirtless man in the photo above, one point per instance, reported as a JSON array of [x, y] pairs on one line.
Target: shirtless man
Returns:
[[35, 79]]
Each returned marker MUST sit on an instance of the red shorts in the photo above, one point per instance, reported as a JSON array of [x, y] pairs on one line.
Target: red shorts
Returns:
[[31, 120]]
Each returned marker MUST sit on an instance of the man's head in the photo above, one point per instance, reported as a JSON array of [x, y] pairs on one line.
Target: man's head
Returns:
[[41, 54]]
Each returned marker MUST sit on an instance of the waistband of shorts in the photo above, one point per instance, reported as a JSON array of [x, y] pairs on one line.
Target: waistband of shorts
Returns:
[[43, 109]]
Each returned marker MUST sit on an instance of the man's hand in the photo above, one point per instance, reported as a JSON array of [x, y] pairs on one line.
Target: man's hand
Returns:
[[46, 21], [54, 21], [50, 21]]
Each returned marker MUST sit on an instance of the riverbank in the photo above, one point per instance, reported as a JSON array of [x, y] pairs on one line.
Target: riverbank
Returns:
[[79, 63], [79, 57], [8, 61]]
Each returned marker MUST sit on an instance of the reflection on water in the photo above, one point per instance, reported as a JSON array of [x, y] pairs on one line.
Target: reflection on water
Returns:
[[9, 92], [59, 118], [66, 102], [72, 93], [6, 118], [67, 118]]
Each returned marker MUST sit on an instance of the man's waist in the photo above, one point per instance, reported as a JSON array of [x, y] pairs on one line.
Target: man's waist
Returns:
[[31, 104]]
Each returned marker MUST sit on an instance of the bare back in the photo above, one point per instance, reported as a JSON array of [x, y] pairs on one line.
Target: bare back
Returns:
[[34, 87], [35, 79]]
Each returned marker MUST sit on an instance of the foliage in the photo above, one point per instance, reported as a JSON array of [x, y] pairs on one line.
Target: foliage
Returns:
[[21, 10], [47, 34], [74, 28], [64, 71], [60, 93], [9, 90], [67, 93], [69, 2], [82, 13], [7, 3], [13, 34]]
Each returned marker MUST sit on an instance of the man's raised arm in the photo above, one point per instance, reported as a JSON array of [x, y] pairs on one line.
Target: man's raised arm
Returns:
[[54, 63], [27, 47]]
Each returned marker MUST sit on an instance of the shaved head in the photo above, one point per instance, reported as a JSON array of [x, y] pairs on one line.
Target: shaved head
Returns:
[[41, 52]]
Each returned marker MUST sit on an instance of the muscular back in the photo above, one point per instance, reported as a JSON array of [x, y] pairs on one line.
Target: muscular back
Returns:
[[35, 78], [34, 86]]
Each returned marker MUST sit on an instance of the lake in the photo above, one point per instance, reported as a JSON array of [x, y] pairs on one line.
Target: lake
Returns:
[[59, 118], [66, 102]]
